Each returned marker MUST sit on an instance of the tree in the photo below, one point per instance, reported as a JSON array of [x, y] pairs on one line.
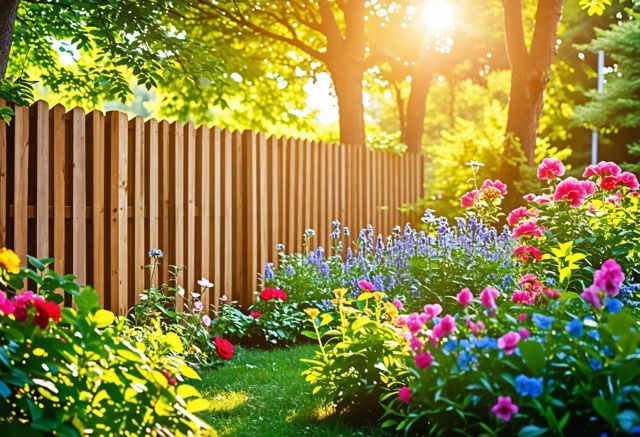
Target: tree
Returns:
[[106, 43], [617, 107]]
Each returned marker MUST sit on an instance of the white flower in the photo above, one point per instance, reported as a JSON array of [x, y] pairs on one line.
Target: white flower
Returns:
[[180, 291], [197, 307], [143, 297], [195, 295], [204, 282]]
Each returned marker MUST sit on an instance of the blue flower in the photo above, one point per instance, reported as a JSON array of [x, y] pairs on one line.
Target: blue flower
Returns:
[[542, 321], [465, 358], [575, 328], [156, 253], [593, 334], [450, 345], [614, 305], [487, 343], [289, 270], [595, 364], [325, 305], [526, 386], [268, 272]]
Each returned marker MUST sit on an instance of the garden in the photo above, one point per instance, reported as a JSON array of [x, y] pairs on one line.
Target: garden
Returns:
[[499, 294]]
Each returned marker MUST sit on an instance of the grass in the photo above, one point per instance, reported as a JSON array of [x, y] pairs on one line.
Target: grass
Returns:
[[262, 393]]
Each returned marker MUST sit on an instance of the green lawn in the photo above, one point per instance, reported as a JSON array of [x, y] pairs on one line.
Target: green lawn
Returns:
[[262, 393]]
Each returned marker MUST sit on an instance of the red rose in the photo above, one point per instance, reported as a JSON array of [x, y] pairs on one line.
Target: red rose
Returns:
[[224, 348], [255, 314], [45, 311], [267, 294], [280, 294]]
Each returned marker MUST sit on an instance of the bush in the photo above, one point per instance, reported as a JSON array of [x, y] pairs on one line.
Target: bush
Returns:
[[66, 371]]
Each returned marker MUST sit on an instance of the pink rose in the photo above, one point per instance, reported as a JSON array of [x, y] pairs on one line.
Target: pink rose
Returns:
[[488, 297], [424, 360], [509, 342]]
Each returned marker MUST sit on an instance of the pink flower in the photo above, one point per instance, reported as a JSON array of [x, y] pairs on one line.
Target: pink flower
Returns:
[[432, 311], [629, 180], [527, 253], [405, 395], [446, 326], [476, 327], [589, 187], [603, 168], [592, 296], [551, 293], [416, 344], [6, 306], [501, 186], [401, 320], [541, 199], [523, 297], [550, 168], [504, 408], [572, 191], [469, 199], [415, 323], [524, 333], [609, 277], [520, 214], [464, 297], [424, 360], [488, 297], [615, 198], [206, 320], [609, 183], [529, 282], [255, 314], [509, 342], [527, 230], [397, 303], [522, 317], [366, 285]]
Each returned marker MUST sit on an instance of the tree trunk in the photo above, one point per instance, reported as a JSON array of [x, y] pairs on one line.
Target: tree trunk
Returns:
[[348, 87], [416, 110], [8, 13]]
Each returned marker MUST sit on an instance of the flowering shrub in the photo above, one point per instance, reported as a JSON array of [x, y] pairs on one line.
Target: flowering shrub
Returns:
[[360, 353], [191, 325], [68, 371], [547, 364], [568, 231]]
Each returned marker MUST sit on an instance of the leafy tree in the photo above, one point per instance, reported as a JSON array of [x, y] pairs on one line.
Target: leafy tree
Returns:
[[106, 43], [617, 107]]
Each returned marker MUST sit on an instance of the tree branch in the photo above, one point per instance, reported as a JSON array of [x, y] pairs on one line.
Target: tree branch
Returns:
[[543, 45], [514, 33], [329, 24]]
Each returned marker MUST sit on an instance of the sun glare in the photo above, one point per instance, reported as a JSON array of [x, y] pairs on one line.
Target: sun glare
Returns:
[[438, 14]]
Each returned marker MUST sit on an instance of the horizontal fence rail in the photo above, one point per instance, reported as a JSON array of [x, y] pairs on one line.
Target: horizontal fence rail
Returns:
[[96, 191]]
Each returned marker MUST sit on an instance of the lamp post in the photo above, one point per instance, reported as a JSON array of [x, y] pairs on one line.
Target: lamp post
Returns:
[[594, 133]]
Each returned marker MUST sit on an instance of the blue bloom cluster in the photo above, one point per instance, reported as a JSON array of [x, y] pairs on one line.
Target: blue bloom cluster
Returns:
[[542, 321], [526, 386]]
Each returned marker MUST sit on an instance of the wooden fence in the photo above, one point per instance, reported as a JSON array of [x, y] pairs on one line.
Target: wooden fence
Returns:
[[97, 191]]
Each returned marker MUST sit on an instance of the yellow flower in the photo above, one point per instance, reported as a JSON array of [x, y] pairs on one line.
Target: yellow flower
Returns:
[[378, 295], [390, 310], [312, 312], [340, 292], [9, 261]]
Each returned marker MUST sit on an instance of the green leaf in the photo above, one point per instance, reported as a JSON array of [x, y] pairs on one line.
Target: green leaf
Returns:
[[620, 323], [104, 318], [532, 431], [608, 409], [5, 391], [86, 300], [533, 355]]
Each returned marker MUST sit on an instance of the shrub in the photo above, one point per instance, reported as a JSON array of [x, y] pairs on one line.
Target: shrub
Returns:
[[66, 371]]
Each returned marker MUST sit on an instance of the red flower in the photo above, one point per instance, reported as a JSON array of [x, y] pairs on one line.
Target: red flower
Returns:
[[609, 183], [266, 294], [46, 311], [550, 292], [273, 293], [255, 314], [280, 294], [527, 253], [224, 348]]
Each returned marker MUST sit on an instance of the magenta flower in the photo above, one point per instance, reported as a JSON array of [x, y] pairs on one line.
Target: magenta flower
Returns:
[[550, 168], [509, 342], [397, 303], [446, 326], [527, 230], [527, 253], [629, 180], [498, 184], [592, 296], [524, 333], [603, 168], [523, 297], [589, 187], [572, 191], [424, 360], [432, 311], [6, 306], [464, 297], [468, 199], [488, 297], [520, 214], [416, 344], [366, 285], [415, 322], [476, 327], [405, 395], [504, 408], [609, 277], [522, 317]]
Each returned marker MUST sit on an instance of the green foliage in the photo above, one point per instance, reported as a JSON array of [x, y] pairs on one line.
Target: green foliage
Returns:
[[85, 370], [361, 355], [88, 51], [617, 107]]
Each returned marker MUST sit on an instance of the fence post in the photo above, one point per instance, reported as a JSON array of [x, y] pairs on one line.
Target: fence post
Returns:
[[95, 136], [40, 111]]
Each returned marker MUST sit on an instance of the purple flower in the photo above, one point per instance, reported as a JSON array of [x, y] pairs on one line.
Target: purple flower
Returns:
[[609, 277], [504, 408]]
